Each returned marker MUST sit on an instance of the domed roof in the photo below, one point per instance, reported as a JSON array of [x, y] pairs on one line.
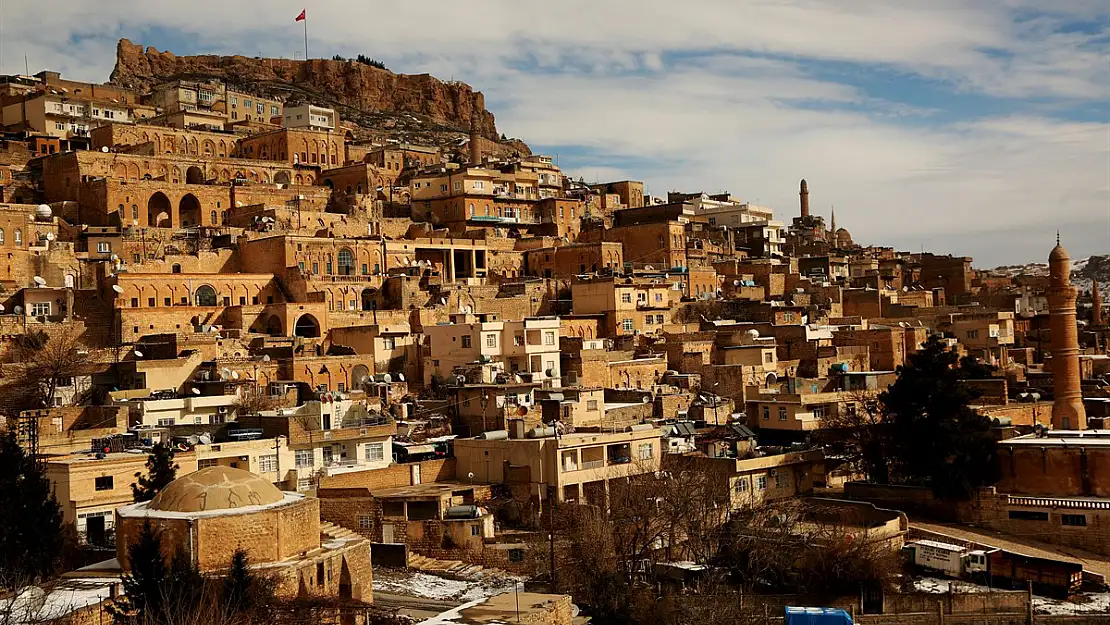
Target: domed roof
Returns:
[[215, 488], [1059, 253]]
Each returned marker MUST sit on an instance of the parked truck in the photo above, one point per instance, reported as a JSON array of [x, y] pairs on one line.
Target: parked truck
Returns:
[[949, 560]]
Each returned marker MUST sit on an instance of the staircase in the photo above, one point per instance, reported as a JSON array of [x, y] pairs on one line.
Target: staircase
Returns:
[[331, 531], [456, 569]]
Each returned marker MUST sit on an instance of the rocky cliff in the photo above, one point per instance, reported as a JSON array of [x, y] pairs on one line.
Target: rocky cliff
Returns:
[[345, 85]]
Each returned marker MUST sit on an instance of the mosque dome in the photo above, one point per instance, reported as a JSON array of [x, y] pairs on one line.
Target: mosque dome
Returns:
[[1058, 253], [216, 488], [44, 212]]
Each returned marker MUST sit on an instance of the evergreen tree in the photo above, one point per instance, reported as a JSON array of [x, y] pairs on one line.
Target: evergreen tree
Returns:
[[239, 583], [932, 435], [160, 472], [142, 599], [30, 518]]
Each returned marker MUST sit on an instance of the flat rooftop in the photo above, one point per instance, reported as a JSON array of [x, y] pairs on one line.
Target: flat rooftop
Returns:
[[1064, 438]]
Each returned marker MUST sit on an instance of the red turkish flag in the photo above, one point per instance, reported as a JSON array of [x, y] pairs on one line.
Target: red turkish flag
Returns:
[[300, 18]]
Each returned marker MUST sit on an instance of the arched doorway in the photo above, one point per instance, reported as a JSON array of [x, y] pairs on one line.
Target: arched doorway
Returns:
[[346, 261], [273, 326], [282, 177], [159, 211], [205, 296], [189, 210], [194, 175], [359, 375], [369, 299], [307, 327]]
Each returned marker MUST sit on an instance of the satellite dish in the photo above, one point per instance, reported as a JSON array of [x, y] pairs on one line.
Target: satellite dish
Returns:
[[49, 236], [470, 475], [117, 288], [401, 377], [225, 373], [18, 310], [772, 378], [387, 378], [266, 358], [522, 410], [649, 268], [39, 280], [735, 283], [645, 400], [518, 379], [196, 391], [234, 375], [104, 149], [138, 354], [1, 308]]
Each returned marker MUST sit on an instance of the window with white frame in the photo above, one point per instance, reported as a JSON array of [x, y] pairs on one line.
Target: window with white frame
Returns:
[[782, 413], [626, 298], [207, 462], [761, 482], [267, 464], [304, 458], [626, 325], [742, 484], [646, 451], [389, 342], [365, 522], [466, 342], [40, 309], [375, 452], [491, 340], [782, 480], [549, 338], [104, 247], [591, 404]]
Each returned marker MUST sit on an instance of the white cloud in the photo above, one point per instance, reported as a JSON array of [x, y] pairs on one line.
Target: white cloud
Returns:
[[719, 94]]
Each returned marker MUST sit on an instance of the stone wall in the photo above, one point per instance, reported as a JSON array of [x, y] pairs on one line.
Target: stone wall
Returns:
[[392, 477]]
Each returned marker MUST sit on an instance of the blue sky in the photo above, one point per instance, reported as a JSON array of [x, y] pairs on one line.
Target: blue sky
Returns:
[[976, 128]]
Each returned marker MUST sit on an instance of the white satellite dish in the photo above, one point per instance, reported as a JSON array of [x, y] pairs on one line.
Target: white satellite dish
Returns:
[[234, 375], [225, 373], [649, 268], [401, 377], [645, 400], [387, 378], [196, 391], [117, 288], [1, 308], [18, 310], [39, 280], [138, 354], [49, 236], [266, 358], [104, 149]]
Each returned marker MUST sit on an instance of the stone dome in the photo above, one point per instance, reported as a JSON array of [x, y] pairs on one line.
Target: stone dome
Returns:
[[1058, 253], [216, 488]]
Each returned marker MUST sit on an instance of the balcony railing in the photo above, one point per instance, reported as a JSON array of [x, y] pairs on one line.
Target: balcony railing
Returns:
[[591, 464]]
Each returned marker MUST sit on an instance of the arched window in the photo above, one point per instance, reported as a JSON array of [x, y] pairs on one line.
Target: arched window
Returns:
[[1, 236], [346, 262], [205, 296], [176, 268], [214, 217], [223, 217], [18, 237]]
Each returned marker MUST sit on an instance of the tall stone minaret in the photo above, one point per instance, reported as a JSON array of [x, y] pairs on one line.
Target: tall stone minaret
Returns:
[[832, 220], [1096, 304], [475, 148], [804, 195], [1067, 406]]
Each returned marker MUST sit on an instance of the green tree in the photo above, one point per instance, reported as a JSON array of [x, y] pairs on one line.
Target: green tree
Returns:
[[156, 592], [932, 435], [160, 472], [240, 583], [30, 518]]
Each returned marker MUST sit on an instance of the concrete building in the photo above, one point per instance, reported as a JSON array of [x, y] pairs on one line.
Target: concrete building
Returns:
[[527, 348], [310, 117]]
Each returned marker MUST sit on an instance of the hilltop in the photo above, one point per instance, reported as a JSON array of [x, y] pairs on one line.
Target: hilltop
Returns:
[[1083, 271], [410, 107]]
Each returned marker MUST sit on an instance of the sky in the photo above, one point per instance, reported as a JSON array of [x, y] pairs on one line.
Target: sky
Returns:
[[975, 127]]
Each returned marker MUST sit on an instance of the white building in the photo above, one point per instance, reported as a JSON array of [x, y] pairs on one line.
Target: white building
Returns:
[[310, 117], [528, 348]]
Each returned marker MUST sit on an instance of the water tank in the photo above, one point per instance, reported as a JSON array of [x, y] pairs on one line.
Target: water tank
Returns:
[[541, 432], [839, 367], [44, 213], [463, 512], [639, 427], [493, 435]]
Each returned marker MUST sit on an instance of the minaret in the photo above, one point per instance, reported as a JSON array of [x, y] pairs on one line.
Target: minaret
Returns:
[[804, 194], [832, 220], [475, 148], [1067, 406], [1096, 305]]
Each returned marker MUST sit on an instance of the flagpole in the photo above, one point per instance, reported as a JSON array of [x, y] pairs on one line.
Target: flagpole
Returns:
[[305, 20]]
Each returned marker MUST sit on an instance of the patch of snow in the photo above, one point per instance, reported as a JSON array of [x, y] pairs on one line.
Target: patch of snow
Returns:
[[38, 605], [428, 586], [1087, 604]]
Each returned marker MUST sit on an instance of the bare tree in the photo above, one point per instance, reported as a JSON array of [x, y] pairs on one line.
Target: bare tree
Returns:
[[42, 363], [861, 437]]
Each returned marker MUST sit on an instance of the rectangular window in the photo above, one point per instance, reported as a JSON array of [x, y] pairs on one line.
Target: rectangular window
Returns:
[[364, 522], [207, 462], [782, 413], [274, 110], [1028, 515], [40, 309], [1073, 520], [742, 484], [166, 422], [491, 340], [626, 298], [646, 451], [626, 325], [761, 482], [267, 464], [375, 452], [466, 342], [819, 412], [549, 338], [104, 482], [475, 530], [781, 479], [304, 458], [766, 413], [591, 404], [103, 247]]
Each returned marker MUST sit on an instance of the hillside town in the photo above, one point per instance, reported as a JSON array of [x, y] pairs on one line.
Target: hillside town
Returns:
[[448, 382]]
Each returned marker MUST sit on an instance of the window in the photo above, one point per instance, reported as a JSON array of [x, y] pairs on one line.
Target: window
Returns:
[[246, 102], [491, 340], [274, 110], [375, 452], [104, 482], [40, 309], [207, 462], [1, 235], [303, 458], [626, 298], [18, 237], [390, 342], [103, 247], [768, 357], [741, 484], [150, 302], [658, 297], [782, 480], [591, 404], [134, 302], [1073, 520], [646, 451], [766, 413], [626, 325], [1028, 515], [267, 464], [364, 522], [475, 530], [782, 413], [165, 422], [819, 412], [972, 334], [516, 555], [549, 338], [649, 319], [478, 184], [761, 482], [466, 342]]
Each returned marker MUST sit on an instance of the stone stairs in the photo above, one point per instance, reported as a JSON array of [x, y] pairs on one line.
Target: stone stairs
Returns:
[[335, 532], [455, 569]]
